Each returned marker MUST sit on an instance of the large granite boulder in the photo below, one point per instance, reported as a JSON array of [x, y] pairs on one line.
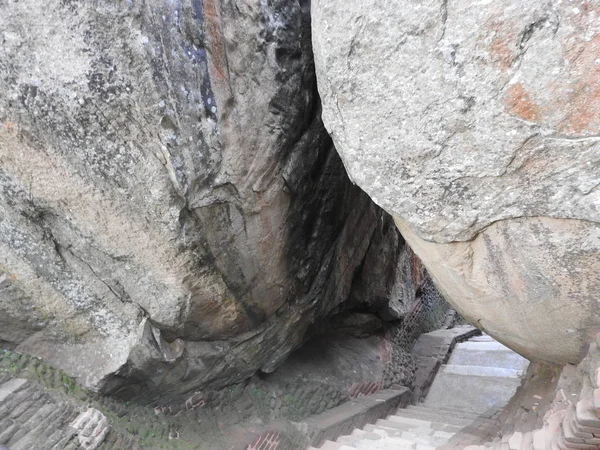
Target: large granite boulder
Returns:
[[173, 215], [477, 125]]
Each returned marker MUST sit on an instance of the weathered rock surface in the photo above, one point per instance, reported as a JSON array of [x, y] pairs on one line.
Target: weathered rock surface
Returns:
[[173, 214], [476, 125]]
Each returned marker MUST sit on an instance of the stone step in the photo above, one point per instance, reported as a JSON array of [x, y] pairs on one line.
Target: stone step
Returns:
[[23, 410], [407, 421], [40, 416], [397, 432], [33, 433], [382, 438], [432, 416], [468, 356], [60, 435], [28, 409], [48, 432], [436, 430], [481, 371], [355, 413], [16, 399], [357, 434], [330, 445], [10, 387], [427, 436], [475, 393], [389, 443], [436, 439], [406, 424], [483, 346], [65, 437], [451, 409], [6, 431], [459, 414]]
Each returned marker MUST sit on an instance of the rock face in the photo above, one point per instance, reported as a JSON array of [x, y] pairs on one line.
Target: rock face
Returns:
[[476, 125], [173, 214]]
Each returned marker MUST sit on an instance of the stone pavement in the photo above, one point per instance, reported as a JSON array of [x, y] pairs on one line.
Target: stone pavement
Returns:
[[460, 409]]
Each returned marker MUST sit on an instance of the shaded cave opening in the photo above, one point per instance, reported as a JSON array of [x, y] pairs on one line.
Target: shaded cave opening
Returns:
[[352, 353]]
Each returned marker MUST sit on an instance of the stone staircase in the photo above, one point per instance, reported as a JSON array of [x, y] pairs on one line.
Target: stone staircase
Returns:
[[33, 418], [460, 409], [573, 422]]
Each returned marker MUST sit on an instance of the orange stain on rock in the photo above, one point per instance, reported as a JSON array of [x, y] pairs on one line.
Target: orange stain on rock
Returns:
[[519, 103], [585, 110], [498, 40], [213, 30], [501, 53], [416, 268]]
